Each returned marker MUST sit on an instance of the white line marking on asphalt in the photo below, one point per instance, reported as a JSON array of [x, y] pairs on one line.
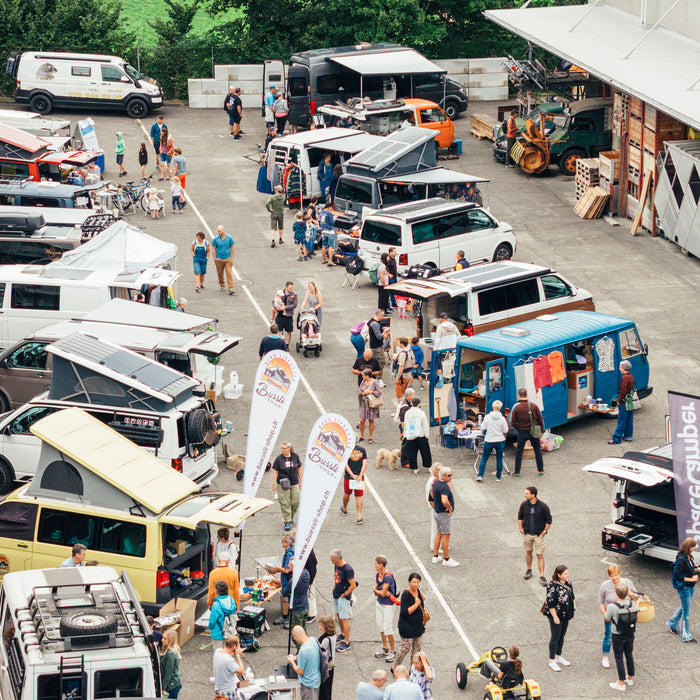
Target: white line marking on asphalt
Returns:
[[424, 572]]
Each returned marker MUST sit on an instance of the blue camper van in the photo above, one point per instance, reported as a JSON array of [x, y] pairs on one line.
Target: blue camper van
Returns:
[[566, 356]]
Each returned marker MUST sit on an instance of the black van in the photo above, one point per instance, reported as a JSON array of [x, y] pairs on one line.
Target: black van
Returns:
[[27, 193], [379, 71]]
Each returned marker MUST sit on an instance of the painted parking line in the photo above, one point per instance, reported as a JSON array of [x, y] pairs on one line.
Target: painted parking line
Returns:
[[396, 527]]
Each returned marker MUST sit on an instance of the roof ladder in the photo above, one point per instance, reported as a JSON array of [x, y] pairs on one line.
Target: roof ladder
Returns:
[[72, 669]]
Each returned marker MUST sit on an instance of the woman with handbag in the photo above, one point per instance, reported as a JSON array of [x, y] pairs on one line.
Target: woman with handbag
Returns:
[[281, 110], [412, 619], [685, 576], [559, 607], [286, 482], [625, 415], [370, 393]]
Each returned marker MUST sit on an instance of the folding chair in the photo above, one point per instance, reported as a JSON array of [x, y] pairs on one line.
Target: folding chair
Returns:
[[353, 267], [479, 449]]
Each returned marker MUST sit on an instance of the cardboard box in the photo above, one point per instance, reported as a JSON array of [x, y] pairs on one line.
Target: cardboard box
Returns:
[[179, 546], [186, 608], [211, 394]]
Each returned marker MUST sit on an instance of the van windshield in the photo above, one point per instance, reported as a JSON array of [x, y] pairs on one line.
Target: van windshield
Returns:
[[380, 232], [354, 191], [132, 72]]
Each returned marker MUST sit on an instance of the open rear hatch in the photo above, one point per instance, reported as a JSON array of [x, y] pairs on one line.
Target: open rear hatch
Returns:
[[648, 502]]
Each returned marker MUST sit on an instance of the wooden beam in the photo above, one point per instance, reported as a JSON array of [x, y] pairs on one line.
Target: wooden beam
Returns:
[[642, 200]]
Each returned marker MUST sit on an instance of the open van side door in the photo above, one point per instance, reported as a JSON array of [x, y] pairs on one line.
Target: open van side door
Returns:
[[273, 74], [495, 382], [298, 95]]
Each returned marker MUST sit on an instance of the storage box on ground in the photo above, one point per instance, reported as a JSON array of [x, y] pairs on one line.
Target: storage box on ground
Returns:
[[181, 611]]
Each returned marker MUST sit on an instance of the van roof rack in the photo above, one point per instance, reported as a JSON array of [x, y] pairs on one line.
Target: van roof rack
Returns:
[[15, 180], [78, 616]]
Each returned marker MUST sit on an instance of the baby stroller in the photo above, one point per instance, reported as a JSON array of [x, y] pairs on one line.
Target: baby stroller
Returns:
[[309, 332]]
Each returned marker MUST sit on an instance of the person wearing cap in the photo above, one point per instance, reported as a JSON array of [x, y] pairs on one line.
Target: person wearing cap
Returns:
[[625, 418], [269, 114], [275, 205]]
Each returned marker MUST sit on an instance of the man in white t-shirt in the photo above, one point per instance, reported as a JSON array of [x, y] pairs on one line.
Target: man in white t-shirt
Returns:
[[228, 666]]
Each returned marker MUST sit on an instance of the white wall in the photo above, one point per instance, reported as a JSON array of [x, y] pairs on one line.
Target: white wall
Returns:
[[486, 79]]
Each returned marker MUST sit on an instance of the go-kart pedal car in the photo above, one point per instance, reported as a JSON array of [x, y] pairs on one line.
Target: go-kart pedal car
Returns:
[[509, 687]]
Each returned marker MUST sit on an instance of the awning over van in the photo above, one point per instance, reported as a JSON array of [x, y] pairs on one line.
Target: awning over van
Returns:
[[114, 458], [435, 176], [388, 63]]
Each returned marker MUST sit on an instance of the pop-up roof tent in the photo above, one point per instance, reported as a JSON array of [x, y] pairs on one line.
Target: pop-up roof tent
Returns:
[[407, 150], [93, 371], [20, 145], [121, 248]]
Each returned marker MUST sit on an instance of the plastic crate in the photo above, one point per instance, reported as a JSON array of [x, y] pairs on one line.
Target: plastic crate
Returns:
[[550, 442]]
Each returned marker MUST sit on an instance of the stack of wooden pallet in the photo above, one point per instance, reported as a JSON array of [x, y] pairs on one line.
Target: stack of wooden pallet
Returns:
[[481, 126], [592, 203], [587, 175]]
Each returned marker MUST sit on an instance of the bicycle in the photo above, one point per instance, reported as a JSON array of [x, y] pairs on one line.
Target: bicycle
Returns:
[[136, 189]]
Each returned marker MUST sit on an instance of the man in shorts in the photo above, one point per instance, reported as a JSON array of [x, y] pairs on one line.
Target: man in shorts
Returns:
[[234, 106], [444, 507], [327, 234], [355, 469], [534, 521], [345, 584], [285, 316], [385, 588], [275, 205]]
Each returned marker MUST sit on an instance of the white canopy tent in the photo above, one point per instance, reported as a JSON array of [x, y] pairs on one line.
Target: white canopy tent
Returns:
[[120, 248]]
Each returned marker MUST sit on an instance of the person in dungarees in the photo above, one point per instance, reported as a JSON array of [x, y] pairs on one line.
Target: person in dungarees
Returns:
[[200, 254]]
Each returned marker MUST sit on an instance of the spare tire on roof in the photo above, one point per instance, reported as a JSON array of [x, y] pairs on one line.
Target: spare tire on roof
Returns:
[[91, 626], [201, 427]]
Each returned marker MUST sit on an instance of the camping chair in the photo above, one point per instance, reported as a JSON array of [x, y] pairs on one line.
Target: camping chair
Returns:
[[479, 449], [353, 267]]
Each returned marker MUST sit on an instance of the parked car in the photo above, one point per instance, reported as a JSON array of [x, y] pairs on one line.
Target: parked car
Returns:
[[47, 616], [642, 503], [95, 487], [430, 232], [485, 297], [48, 79], [158, 408]]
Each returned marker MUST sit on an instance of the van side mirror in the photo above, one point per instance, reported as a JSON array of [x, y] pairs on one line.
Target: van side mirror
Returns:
[[646, 348]]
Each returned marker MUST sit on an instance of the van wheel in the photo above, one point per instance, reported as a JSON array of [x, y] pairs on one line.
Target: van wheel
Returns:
[[93, 625], [503, 252], [7, 476], [41, 104], [451, 109], [201, 427], [136, 108]]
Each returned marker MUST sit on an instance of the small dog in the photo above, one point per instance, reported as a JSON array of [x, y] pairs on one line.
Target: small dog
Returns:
[[391, 456]]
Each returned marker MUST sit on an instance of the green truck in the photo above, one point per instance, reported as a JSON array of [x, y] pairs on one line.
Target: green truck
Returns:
[[574, 130]]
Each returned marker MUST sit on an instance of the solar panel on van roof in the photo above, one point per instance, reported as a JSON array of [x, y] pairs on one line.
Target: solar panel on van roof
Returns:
[[483, 274], [391, 147]]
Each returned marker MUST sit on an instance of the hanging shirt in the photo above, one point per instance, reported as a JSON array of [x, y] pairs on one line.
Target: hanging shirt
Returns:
[[534, 394], [556, 366], [605, 349], [543, 375]]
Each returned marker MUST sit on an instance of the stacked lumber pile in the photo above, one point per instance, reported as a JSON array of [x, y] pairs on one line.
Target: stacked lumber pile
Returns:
[[481, 126], [587, 175], [592, 203]]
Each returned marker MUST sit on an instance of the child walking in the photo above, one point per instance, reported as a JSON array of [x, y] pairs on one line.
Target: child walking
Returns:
[[299, 230], [418, 359], [143, 159], [176, 194], [170, 664], [119, 150]]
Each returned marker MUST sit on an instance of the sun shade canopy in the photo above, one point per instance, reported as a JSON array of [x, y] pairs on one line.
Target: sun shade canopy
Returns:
[[663, 70], [388, 63]]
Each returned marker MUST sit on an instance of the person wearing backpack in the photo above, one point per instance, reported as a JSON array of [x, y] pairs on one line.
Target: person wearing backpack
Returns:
[[606, 596], [326, 641], [404, 368], [685, 576], [386, 591], [416, 433], [222, 618], [622, 614]]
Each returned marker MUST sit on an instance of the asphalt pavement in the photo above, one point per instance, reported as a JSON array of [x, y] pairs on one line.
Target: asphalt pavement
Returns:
[[485, 602]]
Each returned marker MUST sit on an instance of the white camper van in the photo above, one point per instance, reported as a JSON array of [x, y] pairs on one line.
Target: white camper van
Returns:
[[47, 79]]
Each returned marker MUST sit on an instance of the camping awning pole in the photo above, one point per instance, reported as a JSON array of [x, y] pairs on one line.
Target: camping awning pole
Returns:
[[361, 87]]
